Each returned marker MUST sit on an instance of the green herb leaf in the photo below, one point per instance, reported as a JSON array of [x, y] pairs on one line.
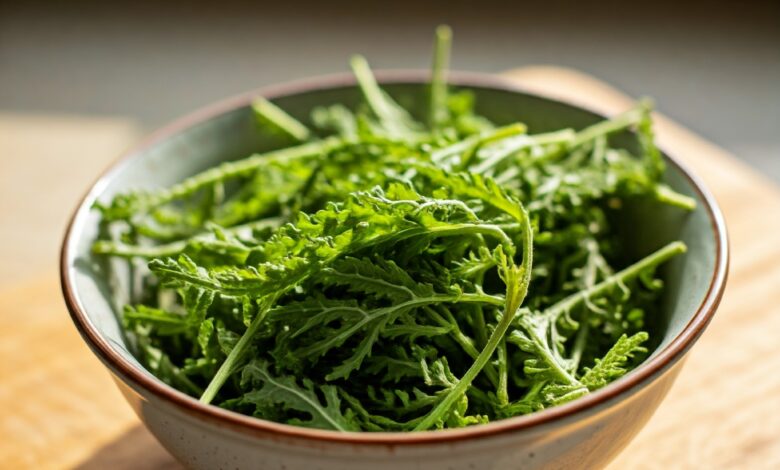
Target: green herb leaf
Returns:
[[302, 398], [387, 275]]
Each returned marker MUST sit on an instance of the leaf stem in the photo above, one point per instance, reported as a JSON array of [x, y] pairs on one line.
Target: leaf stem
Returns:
[[393, 118], [544, 351], [443, 407], [502, 391], [667, 195], [480, 328], [231, 361], [660, 256], [579, 343], [266, 111], [465, 229], [564, 136], [105, 247], [463, 341], [227, 170], [478, 140], [437, 109], [618, 123], [517, 279]]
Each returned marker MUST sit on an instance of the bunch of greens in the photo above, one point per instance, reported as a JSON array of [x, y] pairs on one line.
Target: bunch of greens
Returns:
[[396, 275]]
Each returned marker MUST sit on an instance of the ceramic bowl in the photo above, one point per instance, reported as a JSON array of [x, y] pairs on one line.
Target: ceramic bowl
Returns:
[[587, 432]]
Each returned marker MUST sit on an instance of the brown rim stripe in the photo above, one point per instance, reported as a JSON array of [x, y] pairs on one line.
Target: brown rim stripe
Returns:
[[242, 423]]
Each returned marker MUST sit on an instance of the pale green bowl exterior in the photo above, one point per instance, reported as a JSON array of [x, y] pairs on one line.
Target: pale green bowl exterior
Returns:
[[585, 433]]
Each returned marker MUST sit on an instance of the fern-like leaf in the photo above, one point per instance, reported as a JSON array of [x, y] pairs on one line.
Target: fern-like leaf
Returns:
[[615, 362], [286, 391]]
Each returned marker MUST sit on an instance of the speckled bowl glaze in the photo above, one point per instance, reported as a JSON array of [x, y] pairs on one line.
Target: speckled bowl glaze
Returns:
[[585, 433]]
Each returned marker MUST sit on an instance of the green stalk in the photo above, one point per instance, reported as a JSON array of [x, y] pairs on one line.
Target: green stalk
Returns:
[[374, 96], [478, 140], [480, 328], [517, 279], [437, 109], [471, 153], [233, 169], [443, 407], [623, 121], [228, 366], [106, 247], [465, 229], [579, 343], [393, 117], [463, 341], [667, 195], [662, 255], [564, 136], [502, 391], [267, 112]]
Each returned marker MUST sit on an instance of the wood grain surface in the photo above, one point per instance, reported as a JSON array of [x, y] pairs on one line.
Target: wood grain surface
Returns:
[[46, 163], [61, 410]]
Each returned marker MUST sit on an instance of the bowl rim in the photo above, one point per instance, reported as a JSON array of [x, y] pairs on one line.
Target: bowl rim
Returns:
[[128, 372]]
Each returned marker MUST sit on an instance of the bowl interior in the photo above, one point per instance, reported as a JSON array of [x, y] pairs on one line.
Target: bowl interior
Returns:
[[100, 290]]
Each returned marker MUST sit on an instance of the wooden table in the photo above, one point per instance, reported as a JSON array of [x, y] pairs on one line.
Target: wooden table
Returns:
[[61, 410]]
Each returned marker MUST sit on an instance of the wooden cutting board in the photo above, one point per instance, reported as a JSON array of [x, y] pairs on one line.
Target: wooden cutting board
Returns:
[[61, 410]]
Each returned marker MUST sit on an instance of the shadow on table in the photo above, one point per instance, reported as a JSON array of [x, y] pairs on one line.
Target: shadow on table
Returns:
[[134, 449]]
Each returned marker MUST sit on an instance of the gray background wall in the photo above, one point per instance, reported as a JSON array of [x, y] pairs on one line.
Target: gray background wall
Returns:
[[714, 66]]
